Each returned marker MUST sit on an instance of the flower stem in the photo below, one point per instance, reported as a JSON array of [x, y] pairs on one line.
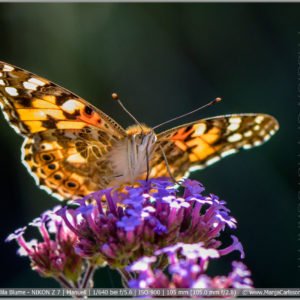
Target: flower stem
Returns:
[[125, 277], [64, 282], [87, 276]]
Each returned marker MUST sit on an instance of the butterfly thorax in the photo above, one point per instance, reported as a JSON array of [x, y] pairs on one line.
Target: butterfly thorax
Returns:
[[130, 155]]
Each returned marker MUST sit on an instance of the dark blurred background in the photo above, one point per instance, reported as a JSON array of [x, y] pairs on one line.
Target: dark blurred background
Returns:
[[164, 60]]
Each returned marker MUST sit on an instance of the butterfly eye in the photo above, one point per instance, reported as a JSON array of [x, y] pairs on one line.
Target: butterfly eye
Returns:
[[138, 139]]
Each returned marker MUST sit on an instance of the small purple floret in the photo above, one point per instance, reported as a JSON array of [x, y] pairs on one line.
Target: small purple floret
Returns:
[[52, 257], [186, 270]]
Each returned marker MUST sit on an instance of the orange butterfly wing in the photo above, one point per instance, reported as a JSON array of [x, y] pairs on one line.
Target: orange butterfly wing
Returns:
[[66, 138], [33, 104], [199, 144], [65, 135]]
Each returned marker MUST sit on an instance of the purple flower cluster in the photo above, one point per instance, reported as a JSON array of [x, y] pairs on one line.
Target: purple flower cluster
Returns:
[[149, 222], [52, 257], [187, 267], [122, 226]]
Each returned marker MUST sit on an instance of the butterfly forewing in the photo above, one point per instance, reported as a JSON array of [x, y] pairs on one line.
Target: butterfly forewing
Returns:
[[33, 104], [200, 144]]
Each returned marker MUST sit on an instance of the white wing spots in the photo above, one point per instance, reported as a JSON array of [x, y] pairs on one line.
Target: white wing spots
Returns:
[[234, 123], [235, 120], [29, 86], [247, 146], [17, 130], [200, 128], [33, 83], [257, 143], [7, 68], [76, 158], [272, 132], [213, 160], [248, 133], [36, 179], [71, 105], [256, 127], [14, 114], [36, 81], [22, 127], [7, 118], [233, 126], [196, 168], [234, 138], [46, 146], [228, 152], [6, 103], [2, 82], [259, 119], [57, 196], [267, 137], [1, 74], [262, 132], [11, 91], [45, 188]]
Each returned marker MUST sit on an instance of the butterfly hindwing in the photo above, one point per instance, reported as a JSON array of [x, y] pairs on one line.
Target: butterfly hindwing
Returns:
[[68, 162], [200, 144]]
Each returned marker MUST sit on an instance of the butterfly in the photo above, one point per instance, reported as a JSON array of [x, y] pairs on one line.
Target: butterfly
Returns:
[[72, 148]]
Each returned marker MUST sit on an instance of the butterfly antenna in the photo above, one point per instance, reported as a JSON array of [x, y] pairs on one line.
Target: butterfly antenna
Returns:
[[116, 97], [218, 99]]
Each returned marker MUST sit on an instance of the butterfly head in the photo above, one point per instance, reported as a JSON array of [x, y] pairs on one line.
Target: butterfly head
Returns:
[[141, 134]]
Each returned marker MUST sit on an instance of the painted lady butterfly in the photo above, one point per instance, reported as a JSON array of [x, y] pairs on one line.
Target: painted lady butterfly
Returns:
[[72, 148]]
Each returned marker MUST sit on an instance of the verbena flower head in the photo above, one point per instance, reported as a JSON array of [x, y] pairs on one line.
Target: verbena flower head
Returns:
[[187, 266], [122, 226], [51, 257]]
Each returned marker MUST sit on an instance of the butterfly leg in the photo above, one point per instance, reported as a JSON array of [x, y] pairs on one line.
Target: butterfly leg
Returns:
[[165, 158], [148, 168], [103, 183]]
